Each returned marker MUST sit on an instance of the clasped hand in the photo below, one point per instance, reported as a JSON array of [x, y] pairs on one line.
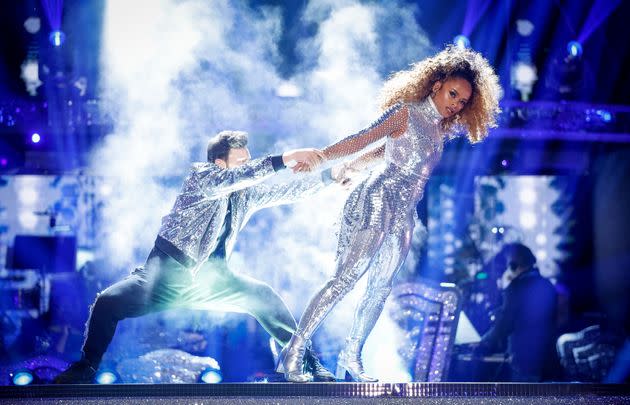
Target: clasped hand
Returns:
[[309, 159], [306, 160]]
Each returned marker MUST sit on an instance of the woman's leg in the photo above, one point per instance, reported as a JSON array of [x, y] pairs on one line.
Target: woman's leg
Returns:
[[351, 265], [380, 277]]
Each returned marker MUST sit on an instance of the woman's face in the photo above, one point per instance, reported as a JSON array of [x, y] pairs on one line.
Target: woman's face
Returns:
[[451, 96]]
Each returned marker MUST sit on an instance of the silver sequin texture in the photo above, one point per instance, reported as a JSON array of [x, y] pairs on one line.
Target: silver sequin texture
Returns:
[[164, 366], [297, 400], [330, 393], [379, 215], [196, 219]]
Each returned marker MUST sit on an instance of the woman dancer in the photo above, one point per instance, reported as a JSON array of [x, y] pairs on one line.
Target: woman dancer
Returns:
[[455, 89]]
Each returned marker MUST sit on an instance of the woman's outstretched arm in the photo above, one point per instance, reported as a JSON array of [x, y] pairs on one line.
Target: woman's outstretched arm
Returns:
[[392, 122], [367, 159], [345, 172]]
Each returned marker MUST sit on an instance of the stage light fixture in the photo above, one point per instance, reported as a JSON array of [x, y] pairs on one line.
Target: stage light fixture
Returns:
[[35, 137], [22, 377], [30, 70], [4, 161], [106, 377], [606, 116], [528, 219], [523, 75], [575, 49], [528, 196], [524, 27], [505, 163], [28, 195], [27, 219], [211, 375], [461, 41], [32, 25], [57, 38], [30, 75]]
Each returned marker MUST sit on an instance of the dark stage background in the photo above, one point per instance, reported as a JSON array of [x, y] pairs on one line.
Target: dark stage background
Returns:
[[104, 104]]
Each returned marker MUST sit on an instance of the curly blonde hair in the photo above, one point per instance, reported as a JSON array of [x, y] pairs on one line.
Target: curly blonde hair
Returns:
[[415, 84]]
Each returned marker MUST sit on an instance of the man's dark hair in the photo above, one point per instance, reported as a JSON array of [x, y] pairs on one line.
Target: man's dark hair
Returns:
[[520, 254], [220, 145]]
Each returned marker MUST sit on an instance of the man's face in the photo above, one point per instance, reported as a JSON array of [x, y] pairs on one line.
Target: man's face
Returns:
[[236, 157], [512, 264], [508, 275]]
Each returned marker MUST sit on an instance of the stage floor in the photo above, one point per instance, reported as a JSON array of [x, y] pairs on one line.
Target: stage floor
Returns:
[[320, 393]]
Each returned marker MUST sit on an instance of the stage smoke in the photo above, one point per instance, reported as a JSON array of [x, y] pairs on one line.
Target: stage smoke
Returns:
[[177, 72]]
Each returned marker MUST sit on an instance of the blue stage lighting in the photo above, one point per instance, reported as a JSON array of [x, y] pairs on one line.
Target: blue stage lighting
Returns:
[[605, 115], [575, 49], [22, 378], [4, 161], [106, 377], [211, 375], [462, 41], [35, 137], [57, 38]]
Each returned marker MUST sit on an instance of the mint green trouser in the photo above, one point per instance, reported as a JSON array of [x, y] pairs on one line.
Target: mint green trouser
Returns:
[[162, 283]]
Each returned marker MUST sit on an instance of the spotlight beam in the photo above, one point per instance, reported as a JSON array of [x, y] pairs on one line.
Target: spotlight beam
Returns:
[[53, 10], [600, 10], [474, 10]]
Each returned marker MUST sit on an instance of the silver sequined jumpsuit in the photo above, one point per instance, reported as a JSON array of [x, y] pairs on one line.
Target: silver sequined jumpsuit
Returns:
[[379, 215]]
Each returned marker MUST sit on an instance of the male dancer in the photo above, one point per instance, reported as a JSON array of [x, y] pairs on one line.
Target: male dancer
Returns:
[[187, 267]]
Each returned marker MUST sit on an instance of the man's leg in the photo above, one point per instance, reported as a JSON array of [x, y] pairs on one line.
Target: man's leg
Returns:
[[218, 287], [125, 299], [142, 292]]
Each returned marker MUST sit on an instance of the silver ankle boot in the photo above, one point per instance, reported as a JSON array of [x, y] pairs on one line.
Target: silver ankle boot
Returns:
[[291, 361], [349, 361]]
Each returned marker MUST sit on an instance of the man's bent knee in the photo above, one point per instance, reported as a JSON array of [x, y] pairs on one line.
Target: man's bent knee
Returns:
[[112, 305]]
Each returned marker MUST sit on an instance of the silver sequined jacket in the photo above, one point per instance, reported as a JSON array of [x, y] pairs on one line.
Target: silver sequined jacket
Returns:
[[191, 231]]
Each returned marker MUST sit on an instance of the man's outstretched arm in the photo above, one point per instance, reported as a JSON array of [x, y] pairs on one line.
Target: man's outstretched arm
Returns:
[[217, 181], [266, 195]]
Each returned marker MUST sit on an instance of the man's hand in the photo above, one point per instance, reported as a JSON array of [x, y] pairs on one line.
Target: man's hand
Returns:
[[306, 160]]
